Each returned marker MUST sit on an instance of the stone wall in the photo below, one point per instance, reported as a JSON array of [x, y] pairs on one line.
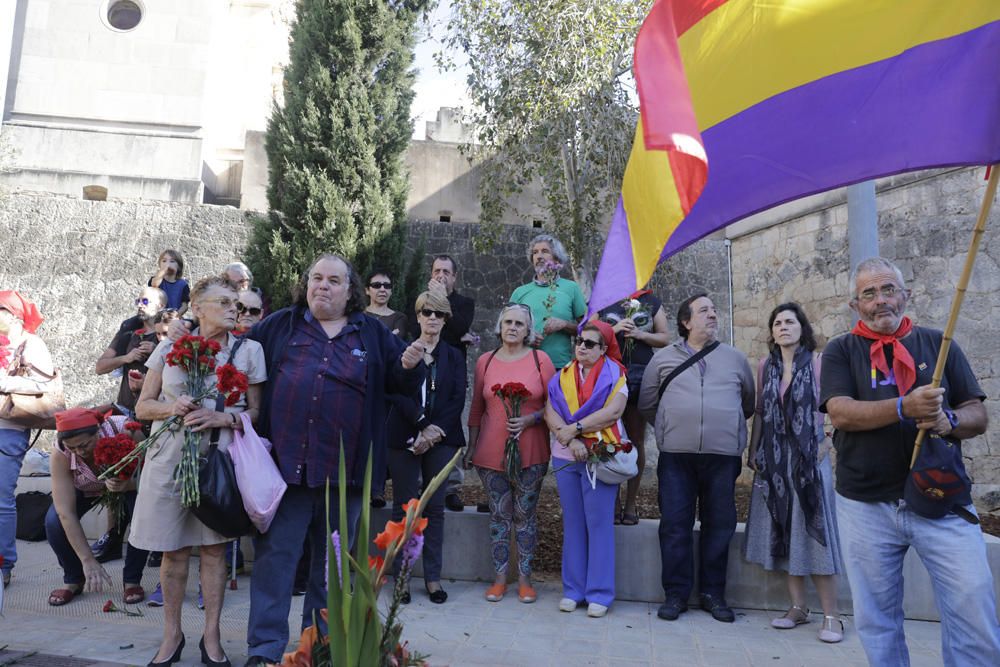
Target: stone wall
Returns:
[[925, 225]]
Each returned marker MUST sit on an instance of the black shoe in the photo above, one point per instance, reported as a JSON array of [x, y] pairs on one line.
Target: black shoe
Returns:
[[405, 598], [111, 549], [155, 558], [440, 596], [378, 502], [671, 608], [205, 660], [482, 508], [717, 607], [257, 661], [453, 502], [174, 658]]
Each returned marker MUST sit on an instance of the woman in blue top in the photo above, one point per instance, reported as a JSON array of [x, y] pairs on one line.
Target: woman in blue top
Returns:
[[168, 277]]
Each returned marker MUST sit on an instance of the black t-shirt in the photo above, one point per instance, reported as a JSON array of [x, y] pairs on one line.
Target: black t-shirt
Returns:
[[872, 465], [129, 336], [636, 359]]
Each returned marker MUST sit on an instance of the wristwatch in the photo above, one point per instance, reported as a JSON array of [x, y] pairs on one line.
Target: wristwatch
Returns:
[[579, 428], [952, 418]]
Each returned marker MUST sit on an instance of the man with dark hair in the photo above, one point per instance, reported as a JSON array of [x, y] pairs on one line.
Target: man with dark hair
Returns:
[[700, 421], [876, 388], [329, 368]]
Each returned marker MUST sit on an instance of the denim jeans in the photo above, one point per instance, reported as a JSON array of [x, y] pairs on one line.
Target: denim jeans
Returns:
[[135, 559], [13, 446], [875, 537], [302, 512], [407, 470], [708, 480]]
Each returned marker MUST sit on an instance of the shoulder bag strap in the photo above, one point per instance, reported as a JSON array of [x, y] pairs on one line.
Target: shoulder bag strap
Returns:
[[489, 361], [686, 364], [220, 400]]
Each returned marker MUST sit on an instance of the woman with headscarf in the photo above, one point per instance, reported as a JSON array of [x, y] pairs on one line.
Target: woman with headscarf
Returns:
[[586, 401], [19, 319], [75, 491], [792, 524]]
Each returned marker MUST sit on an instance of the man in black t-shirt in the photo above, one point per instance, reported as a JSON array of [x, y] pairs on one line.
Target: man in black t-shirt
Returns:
[[875, 385], [128, 352]]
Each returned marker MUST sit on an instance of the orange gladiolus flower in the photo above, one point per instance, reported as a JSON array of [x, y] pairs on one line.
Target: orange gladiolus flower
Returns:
[[302, 656], [392, 533]]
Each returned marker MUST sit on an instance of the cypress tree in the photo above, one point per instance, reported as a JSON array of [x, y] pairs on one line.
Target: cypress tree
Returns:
[[337, 181]]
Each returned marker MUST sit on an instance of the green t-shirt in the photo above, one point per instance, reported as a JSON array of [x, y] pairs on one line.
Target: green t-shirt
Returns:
[[568, 304]]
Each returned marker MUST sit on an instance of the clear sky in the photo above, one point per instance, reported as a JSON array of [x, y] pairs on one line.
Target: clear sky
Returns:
[[435, 89]]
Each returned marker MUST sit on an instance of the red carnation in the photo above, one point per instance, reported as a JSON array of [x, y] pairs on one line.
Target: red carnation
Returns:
[[626, 447], [109, 606]]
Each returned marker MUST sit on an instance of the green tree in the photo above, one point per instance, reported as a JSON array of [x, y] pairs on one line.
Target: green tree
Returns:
[[552, 102], [335, 148]]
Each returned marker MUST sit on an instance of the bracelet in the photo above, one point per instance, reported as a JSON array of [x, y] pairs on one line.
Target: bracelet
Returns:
[[899, 410], [235, 420], [538, 417]]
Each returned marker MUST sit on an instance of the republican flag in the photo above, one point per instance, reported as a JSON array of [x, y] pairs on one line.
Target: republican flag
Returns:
[[747, 104]]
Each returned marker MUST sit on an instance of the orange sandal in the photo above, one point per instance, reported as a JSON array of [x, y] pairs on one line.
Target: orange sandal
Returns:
[[496, 592], [61, 596], [526, 594]]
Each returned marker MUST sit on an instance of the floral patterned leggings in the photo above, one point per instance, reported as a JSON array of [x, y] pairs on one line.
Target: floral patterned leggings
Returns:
[[506, 510]]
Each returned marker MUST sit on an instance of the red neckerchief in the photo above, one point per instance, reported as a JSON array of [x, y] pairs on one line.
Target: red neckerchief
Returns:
[[903, 367], [639, 293], [587, 389]]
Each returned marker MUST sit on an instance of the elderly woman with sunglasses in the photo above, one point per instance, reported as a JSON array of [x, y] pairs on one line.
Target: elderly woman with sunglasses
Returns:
[[424, 432], [512, 502], [378, 287], [586, 402], [249, 311], [160, 522], [75, 491]]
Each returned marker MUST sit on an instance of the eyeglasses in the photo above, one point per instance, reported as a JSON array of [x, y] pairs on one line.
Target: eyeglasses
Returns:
[[223, 301], [243, 308], [427, 312], [378, 285], [888, 291], [586, 342]]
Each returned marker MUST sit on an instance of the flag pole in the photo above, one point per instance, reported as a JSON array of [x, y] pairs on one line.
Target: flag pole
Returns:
[[963, 283]]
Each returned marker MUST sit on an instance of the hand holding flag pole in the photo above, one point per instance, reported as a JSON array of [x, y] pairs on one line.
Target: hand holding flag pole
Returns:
[[963, 283]]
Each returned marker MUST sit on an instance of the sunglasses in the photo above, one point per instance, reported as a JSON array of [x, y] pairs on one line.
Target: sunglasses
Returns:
[[242, 308], [586, 342], [377, 285], [427, 312], [142, 301]]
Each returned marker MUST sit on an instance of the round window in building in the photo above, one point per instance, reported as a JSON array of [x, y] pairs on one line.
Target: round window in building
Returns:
[[122, 15]]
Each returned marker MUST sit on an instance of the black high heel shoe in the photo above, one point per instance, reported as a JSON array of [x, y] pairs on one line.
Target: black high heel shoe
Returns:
[[437, 597], [205, 660], [174, 658]]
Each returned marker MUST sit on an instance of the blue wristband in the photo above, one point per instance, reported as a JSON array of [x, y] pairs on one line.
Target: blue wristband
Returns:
[[899, 410]]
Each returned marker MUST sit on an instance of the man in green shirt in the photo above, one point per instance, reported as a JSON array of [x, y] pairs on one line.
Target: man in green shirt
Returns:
[[556, 304]]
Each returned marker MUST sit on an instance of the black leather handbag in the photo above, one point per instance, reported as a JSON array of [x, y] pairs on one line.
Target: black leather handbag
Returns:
[[221, 507]]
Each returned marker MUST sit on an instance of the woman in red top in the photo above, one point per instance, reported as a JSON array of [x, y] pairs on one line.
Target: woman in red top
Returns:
[[511, 505]]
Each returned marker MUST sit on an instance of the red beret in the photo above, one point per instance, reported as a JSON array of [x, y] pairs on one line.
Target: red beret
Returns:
[[77, 418]]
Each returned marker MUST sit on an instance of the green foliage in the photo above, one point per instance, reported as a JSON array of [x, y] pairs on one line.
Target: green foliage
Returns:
[[337, 182], [553, 101]]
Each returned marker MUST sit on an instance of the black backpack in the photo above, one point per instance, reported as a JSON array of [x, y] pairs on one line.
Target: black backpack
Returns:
[[32, 507]]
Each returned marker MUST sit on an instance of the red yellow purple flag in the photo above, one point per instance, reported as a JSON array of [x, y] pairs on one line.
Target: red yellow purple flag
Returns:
[[745, 105]]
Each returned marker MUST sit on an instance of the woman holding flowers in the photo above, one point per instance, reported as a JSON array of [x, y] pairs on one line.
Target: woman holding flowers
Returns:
[[161, 521], [85, 440], [512, 483], [424, 432], [586, 402]]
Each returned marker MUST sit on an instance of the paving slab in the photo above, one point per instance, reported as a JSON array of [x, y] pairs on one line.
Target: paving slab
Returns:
[[466, 631]]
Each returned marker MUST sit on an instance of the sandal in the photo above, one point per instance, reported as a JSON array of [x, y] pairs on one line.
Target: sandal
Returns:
[[630, 519], [795, 615], [61, 596], [134, 594], [828, 634]]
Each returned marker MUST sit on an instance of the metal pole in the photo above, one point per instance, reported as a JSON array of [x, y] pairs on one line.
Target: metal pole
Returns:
[[862, 222], [732, 308]]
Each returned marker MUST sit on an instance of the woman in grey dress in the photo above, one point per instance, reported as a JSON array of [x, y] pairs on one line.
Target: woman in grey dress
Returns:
[[160, 523], [792, 525]]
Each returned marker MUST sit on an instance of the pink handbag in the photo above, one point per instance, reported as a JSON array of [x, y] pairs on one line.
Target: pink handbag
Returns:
[[257, 476]]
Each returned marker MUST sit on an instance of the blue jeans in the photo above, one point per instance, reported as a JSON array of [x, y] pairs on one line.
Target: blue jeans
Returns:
[[13, 446], [302, 512], [588, 560], [135, 559], [407, 470], [875, 537], [708, 481]]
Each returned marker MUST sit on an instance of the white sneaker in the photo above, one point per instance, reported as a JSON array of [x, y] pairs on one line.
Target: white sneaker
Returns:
[[595, 610], [567, 605]]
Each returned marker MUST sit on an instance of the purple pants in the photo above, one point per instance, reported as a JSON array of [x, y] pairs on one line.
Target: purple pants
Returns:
[[588, 562]]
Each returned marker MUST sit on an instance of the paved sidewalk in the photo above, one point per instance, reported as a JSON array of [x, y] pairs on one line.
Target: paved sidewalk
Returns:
[[464, 632]]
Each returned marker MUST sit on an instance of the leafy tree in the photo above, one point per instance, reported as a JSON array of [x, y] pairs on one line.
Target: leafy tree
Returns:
[[553, 102], [337, 180]]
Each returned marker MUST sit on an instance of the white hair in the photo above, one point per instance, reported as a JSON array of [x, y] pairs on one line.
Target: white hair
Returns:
[[530, 340], [558, 251], [874, 264], [239, 266]]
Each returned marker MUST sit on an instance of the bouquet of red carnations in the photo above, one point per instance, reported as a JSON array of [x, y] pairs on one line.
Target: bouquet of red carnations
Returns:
[[512, 394], [196, 356], [109, 452]]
